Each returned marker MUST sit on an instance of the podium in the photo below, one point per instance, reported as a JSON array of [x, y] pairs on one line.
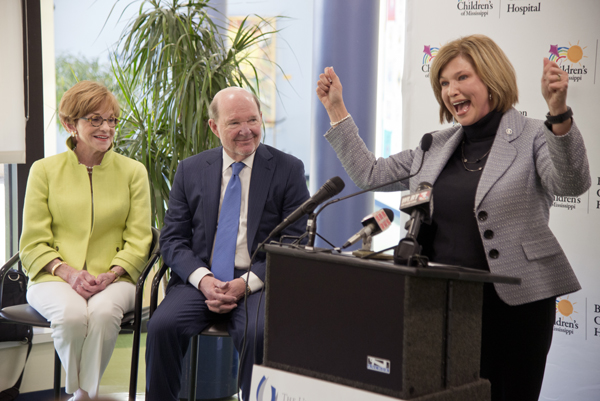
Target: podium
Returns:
[[405, 332]]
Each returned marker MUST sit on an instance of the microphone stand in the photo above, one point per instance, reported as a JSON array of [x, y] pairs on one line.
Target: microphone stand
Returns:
[[408, 251], [311, 228]]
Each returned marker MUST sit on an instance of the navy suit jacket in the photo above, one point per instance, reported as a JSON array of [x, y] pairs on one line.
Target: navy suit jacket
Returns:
[[277, 188]]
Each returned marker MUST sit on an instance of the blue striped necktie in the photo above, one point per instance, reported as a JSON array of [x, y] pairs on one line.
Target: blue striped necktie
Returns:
[[223, 262]]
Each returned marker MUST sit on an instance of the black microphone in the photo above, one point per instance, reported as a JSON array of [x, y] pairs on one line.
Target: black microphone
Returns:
[[426, 142], [418, 205], [373, 224], [332, 187]]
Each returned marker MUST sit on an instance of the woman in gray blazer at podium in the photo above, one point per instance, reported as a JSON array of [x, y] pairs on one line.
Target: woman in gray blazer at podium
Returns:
[[494, 175]]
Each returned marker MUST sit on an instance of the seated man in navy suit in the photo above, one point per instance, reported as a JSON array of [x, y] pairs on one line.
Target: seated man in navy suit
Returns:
[[244, 186]]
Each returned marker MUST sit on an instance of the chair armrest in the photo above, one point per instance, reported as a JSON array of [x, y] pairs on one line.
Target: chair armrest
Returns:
[[139, 287], [4, 271], [155, 287], [8, 265]]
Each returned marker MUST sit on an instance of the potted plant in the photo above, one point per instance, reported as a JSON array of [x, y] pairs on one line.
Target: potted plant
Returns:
[[169, 64]]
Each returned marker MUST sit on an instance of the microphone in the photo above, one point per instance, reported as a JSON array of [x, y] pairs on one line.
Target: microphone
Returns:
[[373, 224], [426, 142], [332, 187], [418, 200], [418, 205]]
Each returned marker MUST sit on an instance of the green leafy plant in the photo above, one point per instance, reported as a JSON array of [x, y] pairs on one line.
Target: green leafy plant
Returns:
[[169, 64]]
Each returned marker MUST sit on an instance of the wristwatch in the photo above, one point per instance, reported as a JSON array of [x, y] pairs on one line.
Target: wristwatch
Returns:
[[550, 120]]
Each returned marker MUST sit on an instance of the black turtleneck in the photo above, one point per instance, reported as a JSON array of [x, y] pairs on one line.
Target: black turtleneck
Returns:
[[453, 236]]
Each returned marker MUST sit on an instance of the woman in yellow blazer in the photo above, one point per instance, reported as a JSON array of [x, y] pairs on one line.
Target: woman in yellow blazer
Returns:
[[86, 236]]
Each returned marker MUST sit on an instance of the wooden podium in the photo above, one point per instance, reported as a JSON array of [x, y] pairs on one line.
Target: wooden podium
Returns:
[[406, 332]]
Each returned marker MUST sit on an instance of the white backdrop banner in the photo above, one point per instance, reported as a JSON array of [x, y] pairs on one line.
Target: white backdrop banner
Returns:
[[12, 108], [567, 32]]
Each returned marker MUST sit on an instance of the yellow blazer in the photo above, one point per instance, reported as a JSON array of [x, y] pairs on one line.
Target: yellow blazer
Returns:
[[96, 228]]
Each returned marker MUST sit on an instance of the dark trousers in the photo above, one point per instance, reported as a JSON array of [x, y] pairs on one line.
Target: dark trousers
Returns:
[[514, 346], [182, 314]]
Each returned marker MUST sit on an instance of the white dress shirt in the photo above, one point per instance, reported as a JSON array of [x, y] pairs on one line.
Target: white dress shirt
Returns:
[[242, 257]]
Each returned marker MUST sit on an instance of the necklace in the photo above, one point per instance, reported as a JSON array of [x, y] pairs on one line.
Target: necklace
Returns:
[[465, 161], [90, 169]]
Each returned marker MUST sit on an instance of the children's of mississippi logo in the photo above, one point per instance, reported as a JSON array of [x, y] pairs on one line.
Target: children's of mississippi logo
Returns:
[[474, 8], [566, 314], [570, 59], [429, 54]]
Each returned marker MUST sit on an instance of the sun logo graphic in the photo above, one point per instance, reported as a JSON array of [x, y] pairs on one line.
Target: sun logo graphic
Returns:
[[429, 54], [573, 55], [565, 307], [263, 393], [567, 322]]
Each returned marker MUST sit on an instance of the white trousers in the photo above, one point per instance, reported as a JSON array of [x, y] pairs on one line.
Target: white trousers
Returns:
[[84, 332]]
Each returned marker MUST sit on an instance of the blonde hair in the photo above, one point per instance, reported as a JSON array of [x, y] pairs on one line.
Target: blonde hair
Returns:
[[490, 64], [83, 98]]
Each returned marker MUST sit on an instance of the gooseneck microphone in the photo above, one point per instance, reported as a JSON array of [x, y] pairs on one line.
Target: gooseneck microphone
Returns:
[[426, 142], [373, 224], [332, 187]]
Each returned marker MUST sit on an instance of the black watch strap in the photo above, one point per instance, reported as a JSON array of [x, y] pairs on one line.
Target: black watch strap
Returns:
[[559, 118]]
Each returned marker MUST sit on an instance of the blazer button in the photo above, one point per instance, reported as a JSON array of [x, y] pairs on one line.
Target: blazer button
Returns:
[[488, 234], [57, 247], [117, 249], [494, 254], [482, 216]]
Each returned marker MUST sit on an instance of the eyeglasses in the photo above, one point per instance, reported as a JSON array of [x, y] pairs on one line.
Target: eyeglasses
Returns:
[[97, 121]]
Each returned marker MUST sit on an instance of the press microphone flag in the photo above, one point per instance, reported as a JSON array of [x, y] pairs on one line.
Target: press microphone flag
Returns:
[[421, 198], [373, 224]]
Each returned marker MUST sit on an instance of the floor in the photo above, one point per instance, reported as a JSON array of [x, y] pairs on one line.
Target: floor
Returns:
[[115, 382]]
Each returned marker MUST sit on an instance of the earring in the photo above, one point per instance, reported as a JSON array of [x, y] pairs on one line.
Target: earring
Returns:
[[490, 96], [74, 134]]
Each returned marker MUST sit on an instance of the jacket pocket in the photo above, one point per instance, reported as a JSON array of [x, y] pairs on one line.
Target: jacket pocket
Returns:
[[541, 248]]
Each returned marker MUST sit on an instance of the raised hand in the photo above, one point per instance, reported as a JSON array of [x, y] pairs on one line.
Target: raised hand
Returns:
[[329, 91], [555, 83]]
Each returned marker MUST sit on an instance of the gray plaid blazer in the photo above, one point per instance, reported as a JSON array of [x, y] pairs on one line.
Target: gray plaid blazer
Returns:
[[526, 167]]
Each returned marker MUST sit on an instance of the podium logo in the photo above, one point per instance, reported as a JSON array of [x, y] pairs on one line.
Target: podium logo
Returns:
[[429, 54], [570, 59], [565, 321], [263, 393], [378, 364]]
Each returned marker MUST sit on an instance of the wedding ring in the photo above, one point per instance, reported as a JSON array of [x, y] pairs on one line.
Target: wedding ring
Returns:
[[558, 75]]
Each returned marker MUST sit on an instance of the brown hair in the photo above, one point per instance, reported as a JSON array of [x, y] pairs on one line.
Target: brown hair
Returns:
[[83, 98], [490, 64]]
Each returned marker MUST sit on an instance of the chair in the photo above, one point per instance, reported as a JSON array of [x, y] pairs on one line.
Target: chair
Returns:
[[132, 321], [218, 329]]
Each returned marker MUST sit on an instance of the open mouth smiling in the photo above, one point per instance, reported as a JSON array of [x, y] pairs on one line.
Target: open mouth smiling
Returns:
[[462, 106]]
